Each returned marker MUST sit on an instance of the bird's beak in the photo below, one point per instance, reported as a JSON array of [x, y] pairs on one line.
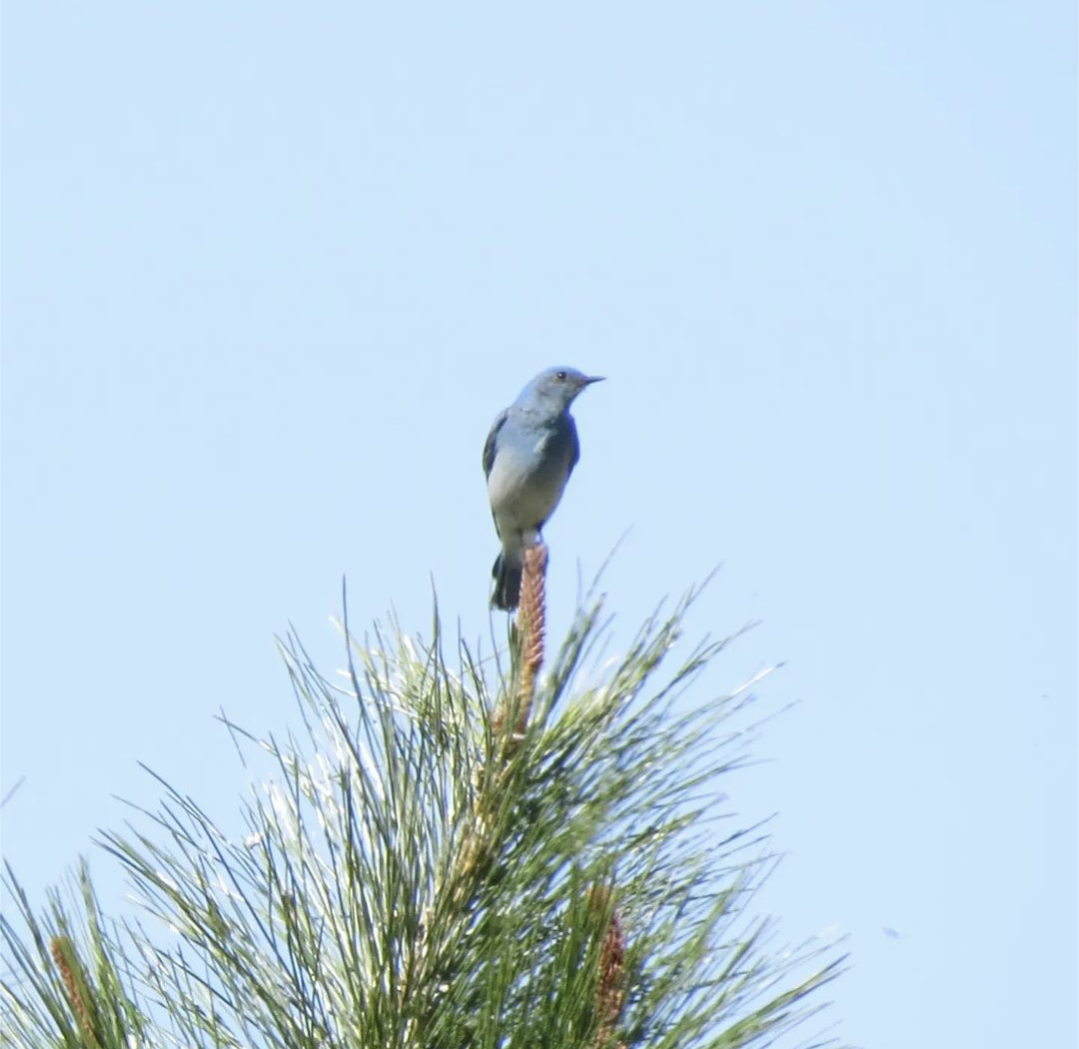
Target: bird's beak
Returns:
[[589, 379]]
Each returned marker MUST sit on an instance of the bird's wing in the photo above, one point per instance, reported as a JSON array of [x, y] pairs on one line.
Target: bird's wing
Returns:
[[491, 445], [574, 445]]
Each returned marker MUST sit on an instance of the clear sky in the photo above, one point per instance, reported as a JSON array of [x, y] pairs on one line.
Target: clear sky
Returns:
[[271, 270]]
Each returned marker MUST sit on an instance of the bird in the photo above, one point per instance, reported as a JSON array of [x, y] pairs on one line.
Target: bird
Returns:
[[528, 457]]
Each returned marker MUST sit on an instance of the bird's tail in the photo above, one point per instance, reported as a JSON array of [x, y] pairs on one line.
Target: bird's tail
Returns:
[[507, 574]]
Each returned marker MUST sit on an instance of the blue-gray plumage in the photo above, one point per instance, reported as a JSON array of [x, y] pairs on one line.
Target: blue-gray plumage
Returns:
[[530, 452]]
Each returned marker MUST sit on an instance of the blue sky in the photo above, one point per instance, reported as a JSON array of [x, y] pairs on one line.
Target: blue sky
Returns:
[[270, 272]]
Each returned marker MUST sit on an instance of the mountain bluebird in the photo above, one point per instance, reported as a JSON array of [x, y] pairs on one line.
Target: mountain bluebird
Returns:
[[529, 455]]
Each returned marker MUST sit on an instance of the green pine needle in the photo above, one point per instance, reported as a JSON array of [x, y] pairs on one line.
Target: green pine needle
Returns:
[[409, 881]]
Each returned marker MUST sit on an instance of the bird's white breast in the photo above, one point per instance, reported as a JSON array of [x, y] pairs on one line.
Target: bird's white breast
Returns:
[[519, 495]]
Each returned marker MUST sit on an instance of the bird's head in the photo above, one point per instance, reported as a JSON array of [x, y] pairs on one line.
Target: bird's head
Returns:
[[558, 386]]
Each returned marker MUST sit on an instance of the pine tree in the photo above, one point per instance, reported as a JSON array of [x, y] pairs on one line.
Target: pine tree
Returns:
[[449, 858]]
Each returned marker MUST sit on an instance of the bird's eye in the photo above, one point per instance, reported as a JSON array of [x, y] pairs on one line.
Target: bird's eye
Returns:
[[561, 376]]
